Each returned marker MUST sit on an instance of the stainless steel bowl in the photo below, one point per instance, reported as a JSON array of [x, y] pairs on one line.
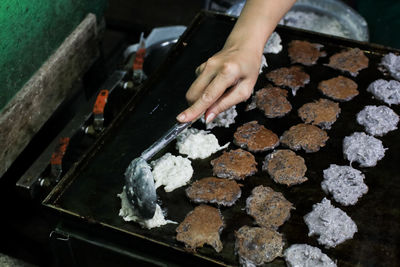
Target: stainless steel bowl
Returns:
[[353, 24]]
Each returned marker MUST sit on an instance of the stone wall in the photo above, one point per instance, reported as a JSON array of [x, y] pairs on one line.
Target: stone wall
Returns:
[[30, 31]]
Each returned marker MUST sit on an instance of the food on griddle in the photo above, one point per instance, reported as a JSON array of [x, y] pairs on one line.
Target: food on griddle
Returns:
[[293, 77], [223, 119], [273, 44], [235, 164], [214, 190], [339, 88], [304, 255], [202, 225], [387, 91], [332, 225], [197, 144], [378, 120], [128, 213], [392, 64], [304, 136], [255, 137], [272, 101], [171, 171], [363, 148], [344, 183], [285, 167], [257, 245], [351, 60], [322, 113], [304, 52], [269, 209], [263, 64]]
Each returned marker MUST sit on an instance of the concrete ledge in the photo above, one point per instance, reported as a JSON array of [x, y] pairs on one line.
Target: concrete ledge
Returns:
[[33, 105]]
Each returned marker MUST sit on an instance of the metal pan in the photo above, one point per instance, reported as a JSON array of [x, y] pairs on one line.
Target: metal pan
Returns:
[[89, 191]]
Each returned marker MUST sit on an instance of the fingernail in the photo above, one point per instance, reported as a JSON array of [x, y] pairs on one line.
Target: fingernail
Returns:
[[181, 117], [210, 117]]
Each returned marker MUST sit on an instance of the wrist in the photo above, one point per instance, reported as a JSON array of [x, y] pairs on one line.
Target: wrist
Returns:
[[246, 42]]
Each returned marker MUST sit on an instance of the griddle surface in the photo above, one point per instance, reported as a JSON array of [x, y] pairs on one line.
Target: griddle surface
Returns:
[[90, 190]]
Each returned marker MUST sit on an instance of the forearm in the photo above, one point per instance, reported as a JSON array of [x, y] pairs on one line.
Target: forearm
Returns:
[[256, 23]]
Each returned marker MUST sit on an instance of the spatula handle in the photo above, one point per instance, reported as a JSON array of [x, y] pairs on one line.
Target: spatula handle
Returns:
[[170, 135]]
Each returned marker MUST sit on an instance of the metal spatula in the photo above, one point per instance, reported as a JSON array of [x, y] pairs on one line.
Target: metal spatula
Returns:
[[140, 188]]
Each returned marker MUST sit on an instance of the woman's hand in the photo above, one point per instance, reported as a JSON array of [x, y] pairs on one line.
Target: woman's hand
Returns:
[[225, 79], [228, 77]]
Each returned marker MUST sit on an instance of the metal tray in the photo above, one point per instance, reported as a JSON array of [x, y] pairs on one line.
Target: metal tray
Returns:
[[89, 190]]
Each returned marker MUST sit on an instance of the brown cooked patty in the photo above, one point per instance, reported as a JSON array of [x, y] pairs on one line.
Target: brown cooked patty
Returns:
[[214, 190], [293, 77], [272, 101], [339, 88], [257, 245], [304, 136], [304, 52], [322, 112], [201, 226], [255, 137], [285, 167], [269, 209], [351, 60], [235, 164]]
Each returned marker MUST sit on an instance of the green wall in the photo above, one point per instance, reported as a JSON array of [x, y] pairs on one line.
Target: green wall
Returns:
[[30, 30]]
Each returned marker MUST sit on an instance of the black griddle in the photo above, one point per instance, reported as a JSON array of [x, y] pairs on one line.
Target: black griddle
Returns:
[[88, 192]]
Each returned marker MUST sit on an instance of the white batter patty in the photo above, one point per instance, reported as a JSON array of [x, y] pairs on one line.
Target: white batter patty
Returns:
[[378, 120], [387, 91], [303, 255], [273, 44], [198, 144], [332, 225], [345, 183], [263, 64], [128, 214], [171, 171], [363, 148], [223, 119], [392, 63]]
